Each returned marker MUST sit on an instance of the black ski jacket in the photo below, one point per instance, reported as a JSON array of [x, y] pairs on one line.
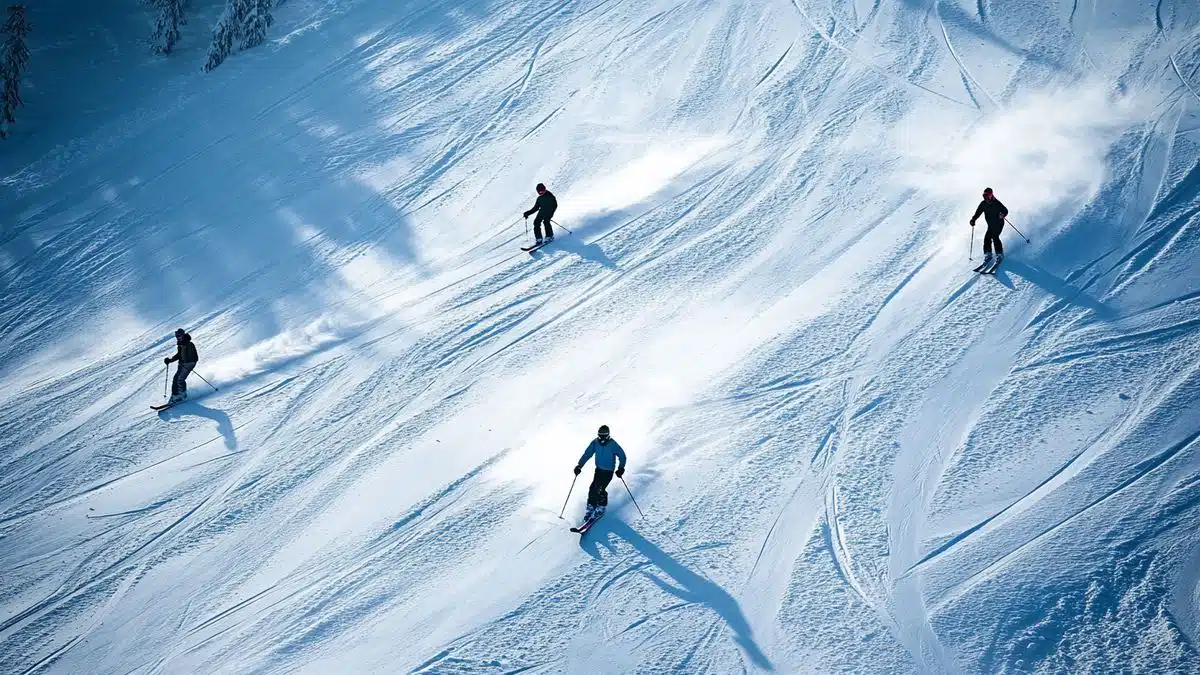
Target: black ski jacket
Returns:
[[545, 205], [993, 211], [186, 353]]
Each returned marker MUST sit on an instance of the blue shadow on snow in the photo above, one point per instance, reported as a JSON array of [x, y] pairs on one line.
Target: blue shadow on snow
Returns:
[[224, 425], [1054, 285], [683, 584]]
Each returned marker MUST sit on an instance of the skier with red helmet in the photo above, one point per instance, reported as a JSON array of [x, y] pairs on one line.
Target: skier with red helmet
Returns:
[[994, 212]]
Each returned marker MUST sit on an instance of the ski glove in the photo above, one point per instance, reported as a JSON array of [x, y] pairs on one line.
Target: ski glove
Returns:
[[972, 222], [167, 360], [620, 472], [578, 469]]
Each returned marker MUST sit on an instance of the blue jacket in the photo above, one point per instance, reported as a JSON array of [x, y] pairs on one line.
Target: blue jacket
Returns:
[[606, 454]]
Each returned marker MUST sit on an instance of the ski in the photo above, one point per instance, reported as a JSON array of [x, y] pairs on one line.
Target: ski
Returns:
[[980, 268], [587, 525], [167, 405], [992, 268], [531, 249]]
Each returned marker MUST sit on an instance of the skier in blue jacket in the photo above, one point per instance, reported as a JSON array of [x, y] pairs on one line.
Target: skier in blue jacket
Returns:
[[607, 452]]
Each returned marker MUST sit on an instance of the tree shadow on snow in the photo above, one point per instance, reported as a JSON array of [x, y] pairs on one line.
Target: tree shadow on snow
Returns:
[[246, 209], [681, 582], [224, 424]]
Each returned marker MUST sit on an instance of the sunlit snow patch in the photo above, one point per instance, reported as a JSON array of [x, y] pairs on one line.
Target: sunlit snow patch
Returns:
[[640, 178]]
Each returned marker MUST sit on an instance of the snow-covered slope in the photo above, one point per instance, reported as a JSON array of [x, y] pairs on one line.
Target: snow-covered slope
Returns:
[[852, 453]]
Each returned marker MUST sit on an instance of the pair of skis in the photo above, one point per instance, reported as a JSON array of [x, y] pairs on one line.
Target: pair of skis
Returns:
[[587, 524], [531, 249], [988, 266]]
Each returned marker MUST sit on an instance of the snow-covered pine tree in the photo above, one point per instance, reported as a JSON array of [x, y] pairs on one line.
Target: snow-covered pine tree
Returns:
[[254, 29], [171, 16], [243, 20], [229, 27], [15, 58]]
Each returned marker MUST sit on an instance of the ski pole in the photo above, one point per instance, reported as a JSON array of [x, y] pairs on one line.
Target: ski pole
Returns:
[[564, 508], [206, 381], [971, 251], [631, 497], [557, 224], [1014, 227], [166, 378]]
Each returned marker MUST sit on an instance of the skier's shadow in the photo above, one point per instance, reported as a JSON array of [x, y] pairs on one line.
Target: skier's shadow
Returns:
[[1054, 285], [224, 425], [574, 243], [683, 583]]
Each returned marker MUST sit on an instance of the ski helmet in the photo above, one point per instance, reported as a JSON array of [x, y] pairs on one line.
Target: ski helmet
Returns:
[[602, 432], [179, 333], [987, 191], [541, 187]]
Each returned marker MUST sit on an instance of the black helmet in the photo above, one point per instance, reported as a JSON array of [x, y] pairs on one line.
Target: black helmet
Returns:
[[179, 333], [602, 432], [541, 187]]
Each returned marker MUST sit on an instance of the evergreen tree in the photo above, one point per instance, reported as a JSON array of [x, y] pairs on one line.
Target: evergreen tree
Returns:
[[14, 60], [258, 20], [229, 27], [244, 21], [171, 16]]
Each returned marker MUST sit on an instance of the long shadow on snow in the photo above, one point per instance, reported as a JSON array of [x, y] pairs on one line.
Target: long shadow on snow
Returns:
[[1056, 286], [572, 243], [224, 424], [683, 584]]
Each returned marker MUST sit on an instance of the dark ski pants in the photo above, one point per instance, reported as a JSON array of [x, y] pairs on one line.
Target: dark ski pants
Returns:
[[598, 492], [179, 384], [993, 237], [537, 225]]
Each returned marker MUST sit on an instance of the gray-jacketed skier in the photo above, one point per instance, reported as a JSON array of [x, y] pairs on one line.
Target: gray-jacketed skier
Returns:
[[606, 451], [188, 357], [994, 213]]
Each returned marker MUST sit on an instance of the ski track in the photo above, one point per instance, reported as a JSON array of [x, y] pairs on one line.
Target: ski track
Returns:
[[969, 81], [846, 445]]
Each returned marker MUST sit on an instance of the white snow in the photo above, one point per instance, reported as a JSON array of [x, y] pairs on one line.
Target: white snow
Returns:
[[852, 453]]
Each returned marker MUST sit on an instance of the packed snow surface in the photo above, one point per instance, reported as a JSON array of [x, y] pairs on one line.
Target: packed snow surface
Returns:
[[852, 452]]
